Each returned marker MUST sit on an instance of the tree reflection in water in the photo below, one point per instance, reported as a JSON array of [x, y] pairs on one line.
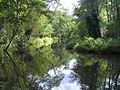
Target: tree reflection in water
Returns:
[[98, 72], [26, 70], [33, 70], [14, 75]]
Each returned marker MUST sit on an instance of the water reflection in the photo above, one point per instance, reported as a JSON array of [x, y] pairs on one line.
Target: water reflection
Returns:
[[55, 69], [67, 83], [98, 72], [21, 71]]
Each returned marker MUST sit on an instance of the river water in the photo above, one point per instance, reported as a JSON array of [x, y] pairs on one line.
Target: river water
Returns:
[[58, 69]]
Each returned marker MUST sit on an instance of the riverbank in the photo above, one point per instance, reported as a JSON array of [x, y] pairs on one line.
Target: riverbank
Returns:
[[90, 45]]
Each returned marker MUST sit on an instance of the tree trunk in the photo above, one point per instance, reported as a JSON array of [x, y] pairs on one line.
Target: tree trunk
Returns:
[[97, 32], [93, 25], [118, 10], [14, 34]]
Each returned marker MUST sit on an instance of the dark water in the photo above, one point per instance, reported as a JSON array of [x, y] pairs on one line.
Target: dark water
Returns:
[[58, 69]]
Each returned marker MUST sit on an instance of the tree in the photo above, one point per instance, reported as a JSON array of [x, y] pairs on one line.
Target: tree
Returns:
[[112, 10], [89, 10], [15, 13], [64, 26]]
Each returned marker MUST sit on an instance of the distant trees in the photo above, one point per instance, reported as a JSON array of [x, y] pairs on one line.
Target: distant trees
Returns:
[[64, 26]]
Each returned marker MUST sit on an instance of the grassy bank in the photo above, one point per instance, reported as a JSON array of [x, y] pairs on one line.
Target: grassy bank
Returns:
[[95, 45]]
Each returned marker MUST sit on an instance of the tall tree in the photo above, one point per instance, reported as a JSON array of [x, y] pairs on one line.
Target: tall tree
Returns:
[[90, 12]]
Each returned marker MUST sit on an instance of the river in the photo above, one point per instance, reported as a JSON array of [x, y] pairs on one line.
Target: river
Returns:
[[58, 69]]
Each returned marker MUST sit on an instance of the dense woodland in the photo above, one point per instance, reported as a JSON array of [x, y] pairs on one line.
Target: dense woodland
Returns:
[[94, 25], [98, 23], [31, 22], [33, 32]]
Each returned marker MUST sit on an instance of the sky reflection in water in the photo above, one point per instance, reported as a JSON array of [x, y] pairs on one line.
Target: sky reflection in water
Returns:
[[67, 82]]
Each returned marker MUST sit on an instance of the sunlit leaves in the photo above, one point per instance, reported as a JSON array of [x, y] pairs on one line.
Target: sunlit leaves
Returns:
[[40, 42]]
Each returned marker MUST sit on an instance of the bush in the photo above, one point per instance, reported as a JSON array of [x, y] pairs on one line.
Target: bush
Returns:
[[90, 44], [113, 45], [40, 42], [70, 45], [96, 45]]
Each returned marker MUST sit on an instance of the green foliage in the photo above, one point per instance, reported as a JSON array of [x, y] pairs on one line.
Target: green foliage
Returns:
[[108, 12], [40, 42], [64, 27], [17, 16], [90, 44], [43, 27], [97, 45], [70, 45], [47, 41], [114, 45]]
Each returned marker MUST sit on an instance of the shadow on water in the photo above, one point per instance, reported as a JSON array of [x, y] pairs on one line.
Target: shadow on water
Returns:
[[56, 69]]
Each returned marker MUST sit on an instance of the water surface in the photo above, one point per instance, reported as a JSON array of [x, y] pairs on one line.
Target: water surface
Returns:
[[58, 69]]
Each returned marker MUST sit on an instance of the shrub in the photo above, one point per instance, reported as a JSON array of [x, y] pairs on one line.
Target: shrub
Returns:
[[40, 42], [96, 45]]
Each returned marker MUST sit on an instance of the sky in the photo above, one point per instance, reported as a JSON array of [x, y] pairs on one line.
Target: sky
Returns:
[[69, 4]]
